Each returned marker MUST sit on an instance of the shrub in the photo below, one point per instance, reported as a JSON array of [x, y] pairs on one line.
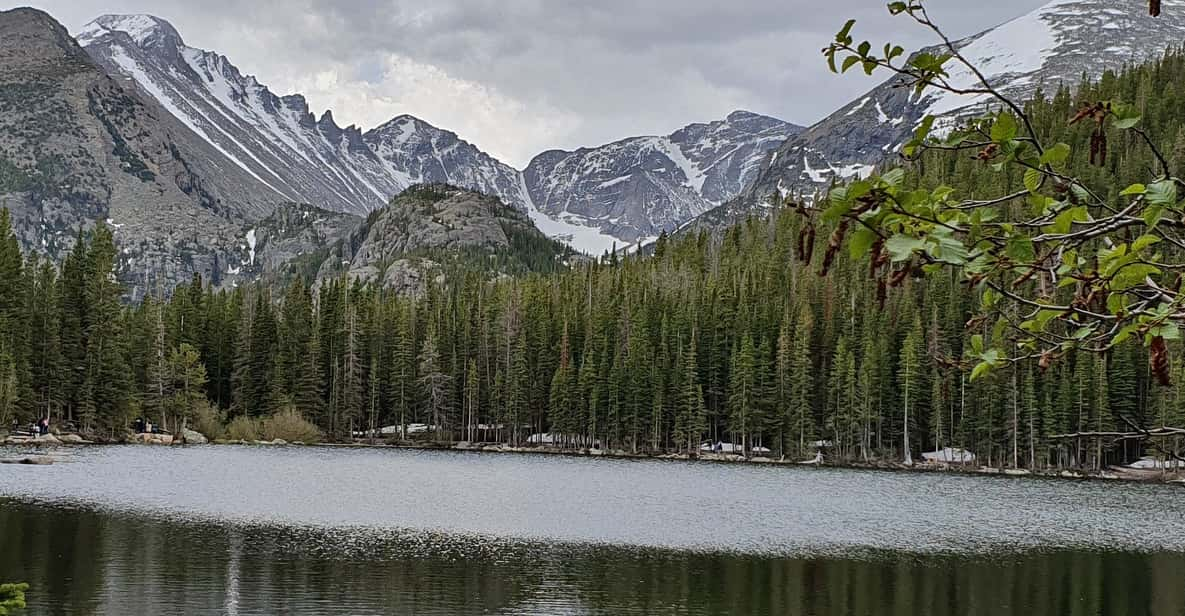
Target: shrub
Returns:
[[208, 421], [243, 428], [290, 426], [12, 597]]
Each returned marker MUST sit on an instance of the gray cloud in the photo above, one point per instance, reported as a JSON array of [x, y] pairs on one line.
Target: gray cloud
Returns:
[[520, 76]]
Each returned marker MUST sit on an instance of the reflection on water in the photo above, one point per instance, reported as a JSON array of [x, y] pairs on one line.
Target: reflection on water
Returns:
[[86, 562], [448, 534]]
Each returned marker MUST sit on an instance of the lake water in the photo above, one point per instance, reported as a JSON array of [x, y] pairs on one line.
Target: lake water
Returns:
[[303, 530]]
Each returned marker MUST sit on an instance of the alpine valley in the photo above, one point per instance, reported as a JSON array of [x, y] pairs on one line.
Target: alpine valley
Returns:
[[193, 163]]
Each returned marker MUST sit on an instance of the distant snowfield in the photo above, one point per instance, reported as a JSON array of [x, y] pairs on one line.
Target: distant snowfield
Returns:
[[588, 240], [1016, 47]]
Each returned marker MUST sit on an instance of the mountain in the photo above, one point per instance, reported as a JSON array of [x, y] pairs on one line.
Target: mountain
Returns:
[[276, 139], [633, 189], [76, 148], [429, 227], [1056, 44], [593, 198]]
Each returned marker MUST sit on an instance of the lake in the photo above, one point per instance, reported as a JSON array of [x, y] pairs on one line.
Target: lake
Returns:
[[318, 530]]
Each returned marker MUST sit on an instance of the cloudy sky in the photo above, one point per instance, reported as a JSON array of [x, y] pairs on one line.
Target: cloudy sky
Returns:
[[517, 77]]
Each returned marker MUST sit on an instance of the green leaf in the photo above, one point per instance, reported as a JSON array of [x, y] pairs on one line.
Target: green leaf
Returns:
[[924, 128], [838, 208], [862, 240], [1004, 128], [842, 35], [988, 359], [1020, 249], [848, 62], [949, 250], [902, 247], [1163, 192], [1056, 155], [1032, 180], [1125, 333], [1064, 221], [977, 344], [989, 299], [1152, 215], [1143, 242], [896, 8], [864, 48], [893, 177], [1126, 122], [1134, 189], [1132, 275], [1115, 303], [999, 328], [980, 369]]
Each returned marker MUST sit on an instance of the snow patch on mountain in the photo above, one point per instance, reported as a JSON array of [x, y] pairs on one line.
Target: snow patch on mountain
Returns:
[[1016, 47], [1054, 45]]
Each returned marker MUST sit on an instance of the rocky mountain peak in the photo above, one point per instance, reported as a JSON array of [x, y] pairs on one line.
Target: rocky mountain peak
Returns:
[[145, 31], [33, 42]]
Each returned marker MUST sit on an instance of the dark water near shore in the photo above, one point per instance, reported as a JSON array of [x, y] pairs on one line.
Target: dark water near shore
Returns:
[[229, 530]]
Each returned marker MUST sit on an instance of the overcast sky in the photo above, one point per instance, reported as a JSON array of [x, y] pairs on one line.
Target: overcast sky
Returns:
[[517, 77]]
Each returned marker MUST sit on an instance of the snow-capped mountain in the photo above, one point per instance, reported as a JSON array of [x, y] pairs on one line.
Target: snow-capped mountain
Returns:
[[275, 138], [635, 188], [77, 148], [1055, 44], [594, 199]]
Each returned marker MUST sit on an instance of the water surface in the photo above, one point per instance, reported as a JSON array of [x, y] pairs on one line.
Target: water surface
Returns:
[[242, 530]]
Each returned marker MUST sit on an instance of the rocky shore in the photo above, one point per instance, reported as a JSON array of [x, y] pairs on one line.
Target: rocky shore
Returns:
[[190, 437]]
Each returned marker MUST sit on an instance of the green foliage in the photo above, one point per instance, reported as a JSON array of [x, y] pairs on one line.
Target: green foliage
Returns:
[[289, 425], [12, 597], [243, 428], [1062, 258]]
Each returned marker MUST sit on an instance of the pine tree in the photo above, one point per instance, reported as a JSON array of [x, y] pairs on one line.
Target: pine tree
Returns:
[[563, 413], [743, 392], [188, 383], [801, 418], [691, 419], [472, 400], [910, 376], [105, 384], [434, 383]]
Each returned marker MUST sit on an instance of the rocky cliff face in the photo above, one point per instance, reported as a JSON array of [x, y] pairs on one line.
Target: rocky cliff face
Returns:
[[430, 226], [76, 147], [1056, 44], [633, 189]]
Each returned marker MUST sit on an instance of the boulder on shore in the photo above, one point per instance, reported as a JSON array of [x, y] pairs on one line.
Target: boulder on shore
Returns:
[[47, 439], [193, 437], [152, 439], [72, 439]]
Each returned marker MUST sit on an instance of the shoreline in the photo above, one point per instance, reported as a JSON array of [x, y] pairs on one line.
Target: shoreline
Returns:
[[1111, 474]]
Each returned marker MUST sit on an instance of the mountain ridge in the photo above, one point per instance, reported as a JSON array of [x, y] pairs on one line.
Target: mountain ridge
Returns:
[[299, 157], [1055, 44]]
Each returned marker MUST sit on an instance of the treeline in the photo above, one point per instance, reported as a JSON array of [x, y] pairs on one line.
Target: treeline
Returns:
[[726, 338], [707, 340]]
